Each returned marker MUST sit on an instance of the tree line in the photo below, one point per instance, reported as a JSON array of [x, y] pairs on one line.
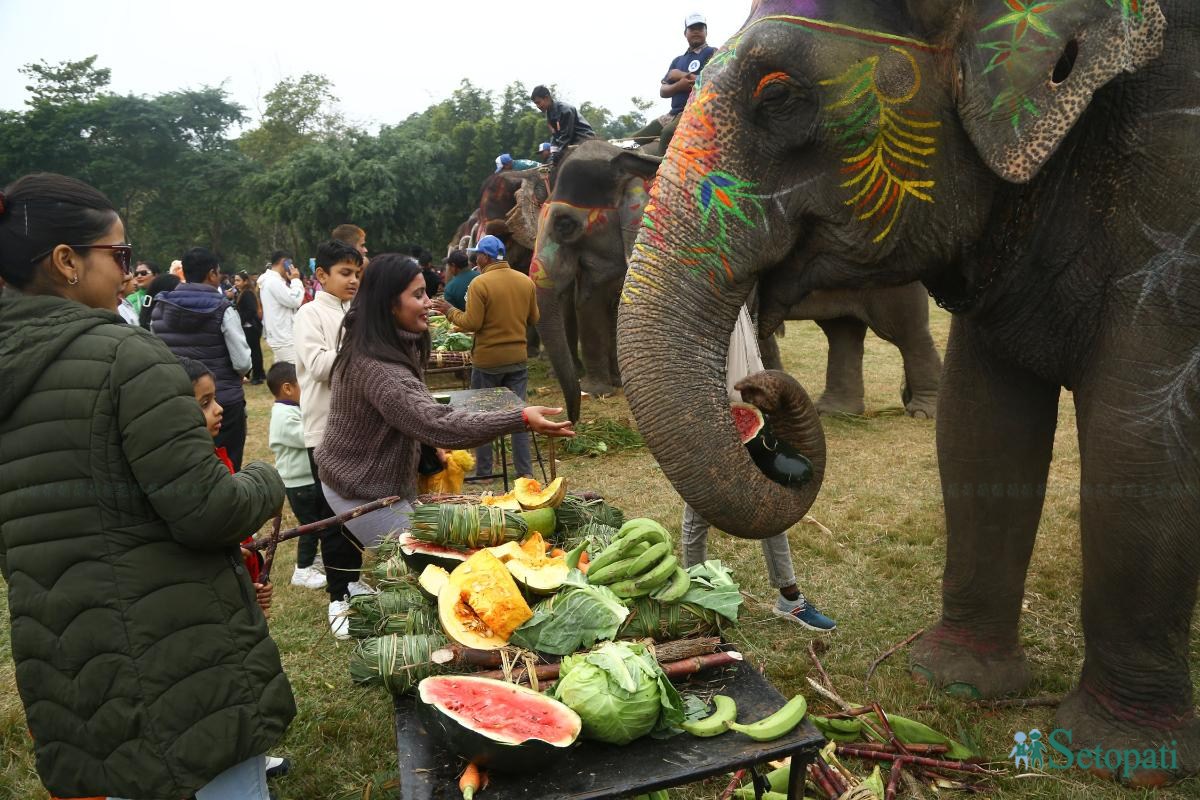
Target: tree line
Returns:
[[191, 168]]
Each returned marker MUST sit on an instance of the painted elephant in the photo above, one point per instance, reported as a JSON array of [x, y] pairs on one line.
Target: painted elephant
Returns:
[[586, 228], [1035, 165]]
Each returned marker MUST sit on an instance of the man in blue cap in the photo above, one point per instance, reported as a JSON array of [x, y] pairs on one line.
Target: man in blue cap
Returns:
[[506, 163], [501, 305]]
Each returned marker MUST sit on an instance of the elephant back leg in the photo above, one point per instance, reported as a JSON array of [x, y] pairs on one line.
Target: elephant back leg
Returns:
[[995, 436], [900, 316], [843, 371]]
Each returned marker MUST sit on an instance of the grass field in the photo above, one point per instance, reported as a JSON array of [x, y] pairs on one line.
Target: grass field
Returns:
[[876, 571]]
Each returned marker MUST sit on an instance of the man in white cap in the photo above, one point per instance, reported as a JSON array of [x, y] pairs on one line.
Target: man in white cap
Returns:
[[681, 77], [543, 153]]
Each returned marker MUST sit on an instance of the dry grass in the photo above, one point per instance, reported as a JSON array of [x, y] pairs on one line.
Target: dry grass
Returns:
[[877, 573]]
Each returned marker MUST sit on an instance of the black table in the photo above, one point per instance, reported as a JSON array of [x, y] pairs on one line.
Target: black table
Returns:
[[499, 398], [595, 770]]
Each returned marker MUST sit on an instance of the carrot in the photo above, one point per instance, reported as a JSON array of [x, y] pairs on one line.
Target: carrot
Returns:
[[473, 779]]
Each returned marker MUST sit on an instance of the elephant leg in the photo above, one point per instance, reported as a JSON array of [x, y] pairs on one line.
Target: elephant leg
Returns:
[[597, 319], [614, 369], [995, 436], [1138, 514], [843, 371], [922, 373], [768, 348]]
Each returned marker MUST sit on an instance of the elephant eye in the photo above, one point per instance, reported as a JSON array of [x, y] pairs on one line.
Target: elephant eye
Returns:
[[778, 96]]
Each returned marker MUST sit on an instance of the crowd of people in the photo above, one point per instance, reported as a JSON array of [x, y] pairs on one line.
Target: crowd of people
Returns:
[[125, 496]]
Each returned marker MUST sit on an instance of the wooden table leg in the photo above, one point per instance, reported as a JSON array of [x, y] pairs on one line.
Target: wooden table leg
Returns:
[[799, 770]]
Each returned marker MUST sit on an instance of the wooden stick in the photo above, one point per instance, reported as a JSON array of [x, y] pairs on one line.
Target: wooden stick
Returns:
[[812, 653], [1049, 701], [891, 652], [320, 525], [264, 575]]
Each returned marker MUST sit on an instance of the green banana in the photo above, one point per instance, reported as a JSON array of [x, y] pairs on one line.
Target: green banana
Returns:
[[909, 731], [629, 590], [641, 524], [614, 552], [648, 559], [839, 730], [776, 725], [659, 575], [715, 723], [610, 573], [674, 591]]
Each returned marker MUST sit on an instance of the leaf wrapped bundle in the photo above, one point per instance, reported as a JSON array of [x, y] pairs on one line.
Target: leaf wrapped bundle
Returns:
[[398, 663], [651, 619], [573, 513], [392, 570], [466, 527], [371, 614]]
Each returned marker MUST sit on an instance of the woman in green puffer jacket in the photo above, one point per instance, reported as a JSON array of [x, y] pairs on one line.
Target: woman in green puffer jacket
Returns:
[[142, 659]]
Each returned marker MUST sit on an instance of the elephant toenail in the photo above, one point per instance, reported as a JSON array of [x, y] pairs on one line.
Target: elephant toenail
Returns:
[[963, 690]]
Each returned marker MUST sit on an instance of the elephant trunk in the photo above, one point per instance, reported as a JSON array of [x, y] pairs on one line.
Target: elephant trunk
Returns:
[[674, 332], [552, 330]]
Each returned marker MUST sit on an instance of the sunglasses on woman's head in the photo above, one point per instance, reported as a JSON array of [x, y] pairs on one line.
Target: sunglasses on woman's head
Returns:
[[122, 253]]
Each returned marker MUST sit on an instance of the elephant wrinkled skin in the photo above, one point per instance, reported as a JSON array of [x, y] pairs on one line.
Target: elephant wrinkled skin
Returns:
[[1036, 167]]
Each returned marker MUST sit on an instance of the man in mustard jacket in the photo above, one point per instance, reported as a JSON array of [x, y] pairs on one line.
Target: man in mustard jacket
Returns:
[[501, 304]]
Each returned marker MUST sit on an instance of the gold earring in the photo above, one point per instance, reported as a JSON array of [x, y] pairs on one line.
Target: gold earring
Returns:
[[72, 283]]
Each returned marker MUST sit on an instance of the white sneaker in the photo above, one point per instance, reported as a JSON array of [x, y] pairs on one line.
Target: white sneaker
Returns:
[[358, 587], [308, 577], [339, 622]]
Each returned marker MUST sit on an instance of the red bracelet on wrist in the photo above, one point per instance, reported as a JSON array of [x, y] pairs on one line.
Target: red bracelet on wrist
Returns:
[[525, 418]]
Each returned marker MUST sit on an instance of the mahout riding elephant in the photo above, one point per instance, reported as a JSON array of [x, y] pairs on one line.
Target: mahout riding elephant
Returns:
[[586, 229], [1036, 166]]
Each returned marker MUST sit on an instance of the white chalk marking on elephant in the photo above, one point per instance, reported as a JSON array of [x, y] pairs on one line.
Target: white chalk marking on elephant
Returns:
[[1173, 405], [1164, 273]]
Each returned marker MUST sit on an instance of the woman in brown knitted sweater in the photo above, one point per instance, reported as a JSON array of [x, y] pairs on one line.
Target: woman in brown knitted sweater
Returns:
[[381, 411]]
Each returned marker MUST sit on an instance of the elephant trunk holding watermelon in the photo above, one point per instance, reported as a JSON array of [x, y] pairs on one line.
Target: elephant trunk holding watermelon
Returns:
[[1035, 166]]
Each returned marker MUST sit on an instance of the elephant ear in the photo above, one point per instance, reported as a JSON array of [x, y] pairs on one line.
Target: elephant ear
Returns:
[[641, 169], [1030, 68]]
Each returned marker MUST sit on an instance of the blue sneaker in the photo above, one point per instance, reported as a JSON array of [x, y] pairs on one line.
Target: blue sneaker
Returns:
[[803, 612]]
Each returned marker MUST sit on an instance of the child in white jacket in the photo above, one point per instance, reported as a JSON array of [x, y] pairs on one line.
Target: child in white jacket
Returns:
[[317, 327]]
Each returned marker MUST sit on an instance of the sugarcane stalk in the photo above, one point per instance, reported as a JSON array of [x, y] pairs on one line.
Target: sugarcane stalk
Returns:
[[455, 655], [891, 652], [921, 761], [915, 749], [893, 784], [675, 670], [320, 525], [822, 782]]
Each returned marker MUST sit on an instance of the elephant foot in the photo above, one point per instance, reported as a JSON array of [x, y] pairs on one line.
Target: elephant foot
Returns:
[[532, 352], [596, 388], [964, 665], [921, 408], [832, 404], [1139, 746]]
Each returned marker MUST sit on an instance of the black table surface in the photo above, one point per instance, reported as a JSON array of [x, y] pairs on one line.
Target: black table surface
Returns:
[[499, 398], [596, 770]]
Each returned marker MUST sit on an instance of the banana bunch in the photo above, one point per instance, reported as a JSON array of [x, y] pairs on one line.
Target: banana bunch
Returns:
[[640, 562]]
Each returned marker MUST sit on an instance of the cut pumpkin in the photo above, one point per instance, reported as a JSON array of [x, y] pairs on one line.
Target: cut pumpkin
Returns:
[[532, 568], [531, 495], [480, 605], [505, 501]]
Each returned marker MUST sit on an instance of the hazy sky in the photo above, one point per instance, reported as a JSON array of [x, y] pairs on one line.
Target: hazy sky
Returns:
[[386, 59]]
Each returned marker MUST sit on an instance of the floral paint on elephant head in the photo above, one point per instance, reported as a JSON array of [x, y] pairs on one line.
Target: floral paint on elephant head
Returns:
[[888, 144]]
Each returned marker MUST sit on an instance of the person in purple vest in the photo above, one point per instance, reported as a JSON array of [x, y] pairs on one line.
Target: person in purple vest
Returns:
[[196, 321]]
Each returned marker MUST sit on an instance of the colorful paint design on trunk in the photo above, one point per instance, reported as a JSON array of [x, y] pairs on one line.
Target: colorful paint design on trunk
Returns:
[[888, 146]]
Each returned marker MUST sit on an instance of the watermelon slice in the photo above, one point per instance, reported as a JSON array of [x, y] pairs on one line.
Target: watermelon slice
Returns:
[[418, 554], [494, 724], [777, 459]]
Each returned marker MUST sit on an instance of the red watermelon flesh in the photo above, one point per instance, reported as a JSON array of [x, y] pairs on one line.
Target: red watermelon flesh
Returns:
[[747, 419], [502, 711]]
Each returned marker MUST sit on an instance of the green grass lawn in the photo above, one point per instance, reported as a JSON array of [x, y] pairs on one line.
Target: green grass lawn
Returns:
[[873, 564]]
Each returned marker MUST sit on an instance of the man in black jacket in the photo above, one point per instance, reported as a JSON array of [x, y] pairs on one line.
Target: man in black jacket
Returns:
[[566, 126]]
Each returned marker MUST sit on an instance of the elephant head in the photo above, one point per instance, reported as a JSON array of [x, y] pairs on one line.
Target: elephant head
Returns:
[[586, 230], [839, 144]]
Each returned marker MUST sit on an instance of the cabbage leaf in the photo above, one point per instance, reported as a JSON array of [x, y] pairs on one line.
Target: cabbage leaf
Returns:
[[578, 616]]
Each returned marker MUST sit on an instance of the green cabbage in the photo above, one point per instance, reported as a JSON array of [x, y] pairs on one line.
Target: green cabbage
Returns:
[[579, 615], [619, 691]]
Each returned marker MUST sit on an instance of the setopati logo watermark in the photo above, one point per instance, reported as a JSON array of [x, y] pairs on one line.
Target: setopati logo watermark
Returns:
[[1035, 751]]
